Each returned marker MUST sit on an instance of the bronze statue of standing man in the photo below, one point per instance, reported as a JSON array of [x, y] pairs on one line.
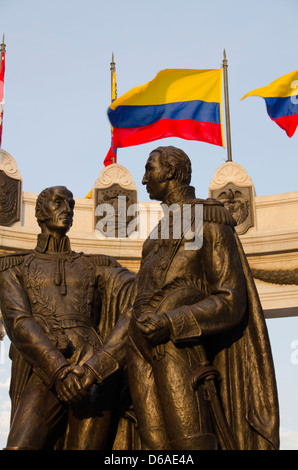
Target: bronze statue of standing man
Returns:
[[199, 360], [59, 308]]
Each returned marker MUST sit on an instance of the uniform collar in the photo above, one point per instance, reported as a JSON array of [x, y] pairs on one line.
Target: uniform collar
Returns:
[[180, 195], [47, 243]]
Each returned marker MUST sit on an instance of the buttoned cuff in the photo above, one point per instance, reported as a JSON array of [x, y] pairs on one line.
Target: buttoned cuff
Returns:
[[102, 364], [183, 325], [48, 367]]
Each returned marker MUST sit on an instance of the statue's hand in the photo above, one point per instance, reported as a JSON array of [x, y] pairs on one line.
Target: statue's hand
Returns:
[[154, 327], [69, 384], [88, 379]]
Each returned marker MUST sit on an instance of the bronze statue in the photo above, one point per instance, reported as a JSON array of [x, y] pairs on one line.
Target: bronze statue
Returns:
[[199, 361], [60, 309]]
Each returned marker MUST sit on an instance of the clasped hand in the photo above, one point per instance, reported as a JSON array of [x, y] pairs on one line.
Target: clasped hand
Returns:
[[154, 327], [73, 383]]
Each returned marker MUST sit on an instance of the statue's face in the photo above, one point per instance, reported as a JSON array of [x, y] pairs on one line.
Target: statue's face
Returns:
[[156, 185], [58, 207]]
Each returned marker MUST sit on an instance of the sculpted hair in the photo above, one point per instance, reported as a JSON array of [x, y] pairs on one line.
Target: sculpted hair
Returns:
[[40, 213], [178, 158]]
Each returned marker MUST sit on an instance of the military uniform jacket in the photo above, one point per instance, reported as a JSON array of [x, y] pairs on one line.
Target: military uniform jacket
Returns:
[[59, 307]]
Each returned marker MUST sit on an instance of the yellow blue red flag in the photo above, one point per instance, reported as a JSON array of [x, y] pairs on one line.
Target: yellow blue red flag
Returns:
[[281, 101], [181, 103]]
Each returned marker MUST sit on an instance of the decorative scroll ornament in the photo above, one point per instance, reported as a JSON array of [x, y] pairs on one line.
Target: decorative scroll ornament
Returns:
[[234, 188], [114, 192], [10, 190]]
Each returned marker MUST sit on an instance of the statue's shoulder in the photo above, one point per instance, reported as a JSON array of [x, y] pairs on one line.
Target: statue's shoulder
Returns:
[[102, 260], [215, 211], [9, 260]]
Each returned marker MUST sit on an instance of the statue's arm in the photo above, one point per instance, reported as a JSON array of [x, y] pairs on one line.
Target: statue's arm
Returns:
[[24, 332], [116, 285], [225, 306]]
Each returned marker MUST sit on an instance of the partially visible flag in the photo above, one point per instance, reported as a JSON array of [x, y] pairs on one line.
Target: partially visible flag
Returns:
[[2, 72], [111, 157], [181, 103], [281, 101]]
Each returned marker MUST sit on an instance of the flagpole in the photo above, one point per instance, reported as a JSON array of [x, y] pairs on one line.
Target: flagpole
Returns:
[[2, 60], [226, 90], [113, 69]]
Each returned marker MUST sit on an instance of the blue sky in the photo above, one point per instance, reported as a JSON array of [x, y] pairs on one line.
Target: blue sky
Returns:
[[57, 91]]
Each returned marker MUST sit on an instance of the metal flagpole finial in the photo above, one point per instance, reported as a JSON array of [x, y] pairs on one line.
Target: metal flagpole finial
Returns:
[[2, 45], [113, 62]]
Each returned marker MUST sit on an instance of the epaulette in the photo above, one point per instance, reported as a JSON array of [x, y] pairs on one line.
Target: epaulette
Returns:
[[103, 260], [9, 260], [215, 211]]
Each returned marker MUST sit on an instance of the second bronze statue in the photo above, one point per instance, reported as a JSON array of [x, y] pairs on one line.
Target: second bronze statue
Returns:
[[198, 348]]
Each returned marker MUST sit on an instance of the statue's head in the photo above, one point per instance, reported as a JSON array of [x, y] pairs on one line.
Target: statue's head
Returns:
[[166, 168], [54, 209]]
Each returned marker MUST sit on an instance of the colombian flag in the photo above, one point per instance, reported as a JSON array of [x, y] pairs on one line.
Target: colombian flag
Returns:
[[176, 103], [281, 101]]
